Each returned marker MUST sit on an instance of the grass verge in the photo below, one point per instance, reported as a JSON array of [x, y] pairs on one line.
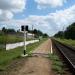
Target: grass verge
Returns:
[[11, 39], [8, 56], [67, 41], [57, 64]]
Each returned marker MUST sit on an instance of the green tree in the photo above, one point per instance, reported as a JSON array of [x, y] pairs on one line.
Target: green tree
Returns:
[[70, 32], [3, 29], [59, 34], [45, 35]]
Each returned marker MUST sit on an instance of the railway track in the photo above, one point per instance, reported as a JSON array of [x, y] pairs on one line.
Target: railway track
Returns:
[[68, 53]]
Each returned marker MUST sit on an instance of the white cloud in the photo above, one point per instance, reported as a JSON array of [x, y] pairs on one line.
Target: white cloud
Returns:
[[9, 7], [54, 21], [50, 3], [64, 17], [5, 15], [51, 23]]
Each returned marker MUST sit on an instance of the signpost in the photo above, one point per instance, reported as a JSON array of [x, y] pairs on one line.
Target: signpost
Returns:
[[24, 29]]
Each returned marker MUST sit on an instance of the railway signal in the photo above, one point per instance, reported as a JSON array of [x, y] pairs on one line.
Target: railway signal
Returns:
[[24, 28]]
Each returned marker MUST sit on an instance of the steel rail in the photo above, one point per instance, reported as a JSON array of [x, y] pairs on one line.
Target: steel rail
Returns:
[[68, 52]]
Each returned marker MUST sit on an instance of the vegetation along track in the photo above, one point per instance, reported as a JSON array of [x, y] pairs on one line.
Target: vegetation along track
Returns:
[[68, 53]]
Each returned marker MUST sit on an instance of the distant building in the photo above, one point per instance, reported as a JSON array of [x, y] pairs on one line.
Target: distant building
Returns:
[[30, 35], [0, 31]]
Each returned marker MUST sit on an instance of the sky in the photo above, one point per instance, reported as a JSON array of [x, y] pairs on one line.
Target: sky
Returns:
[[49, 16]]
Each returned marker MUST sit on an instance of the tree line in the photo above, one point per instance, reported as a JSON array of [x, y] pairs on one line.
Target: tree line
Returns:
[[36, 32], [69, 33]]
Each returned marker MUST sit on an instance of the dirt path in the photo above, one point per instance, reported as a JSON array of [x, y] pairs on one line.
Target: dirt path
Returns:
[[37, 64], [44, 48]]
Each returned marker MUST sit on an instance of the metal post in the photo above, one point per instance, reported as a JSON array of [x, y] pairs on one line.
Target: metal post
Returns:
[[24, 41], [51, 48]]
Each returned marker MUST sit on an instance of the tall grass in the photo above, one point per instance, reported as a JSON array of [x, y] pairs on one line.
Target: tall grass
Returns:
[[57, 65], [7, 56], [67, 41]]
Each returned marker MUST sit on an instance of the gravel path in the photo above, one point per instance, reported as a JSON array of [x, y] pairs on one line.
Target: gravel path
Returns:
[[37, 64]]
